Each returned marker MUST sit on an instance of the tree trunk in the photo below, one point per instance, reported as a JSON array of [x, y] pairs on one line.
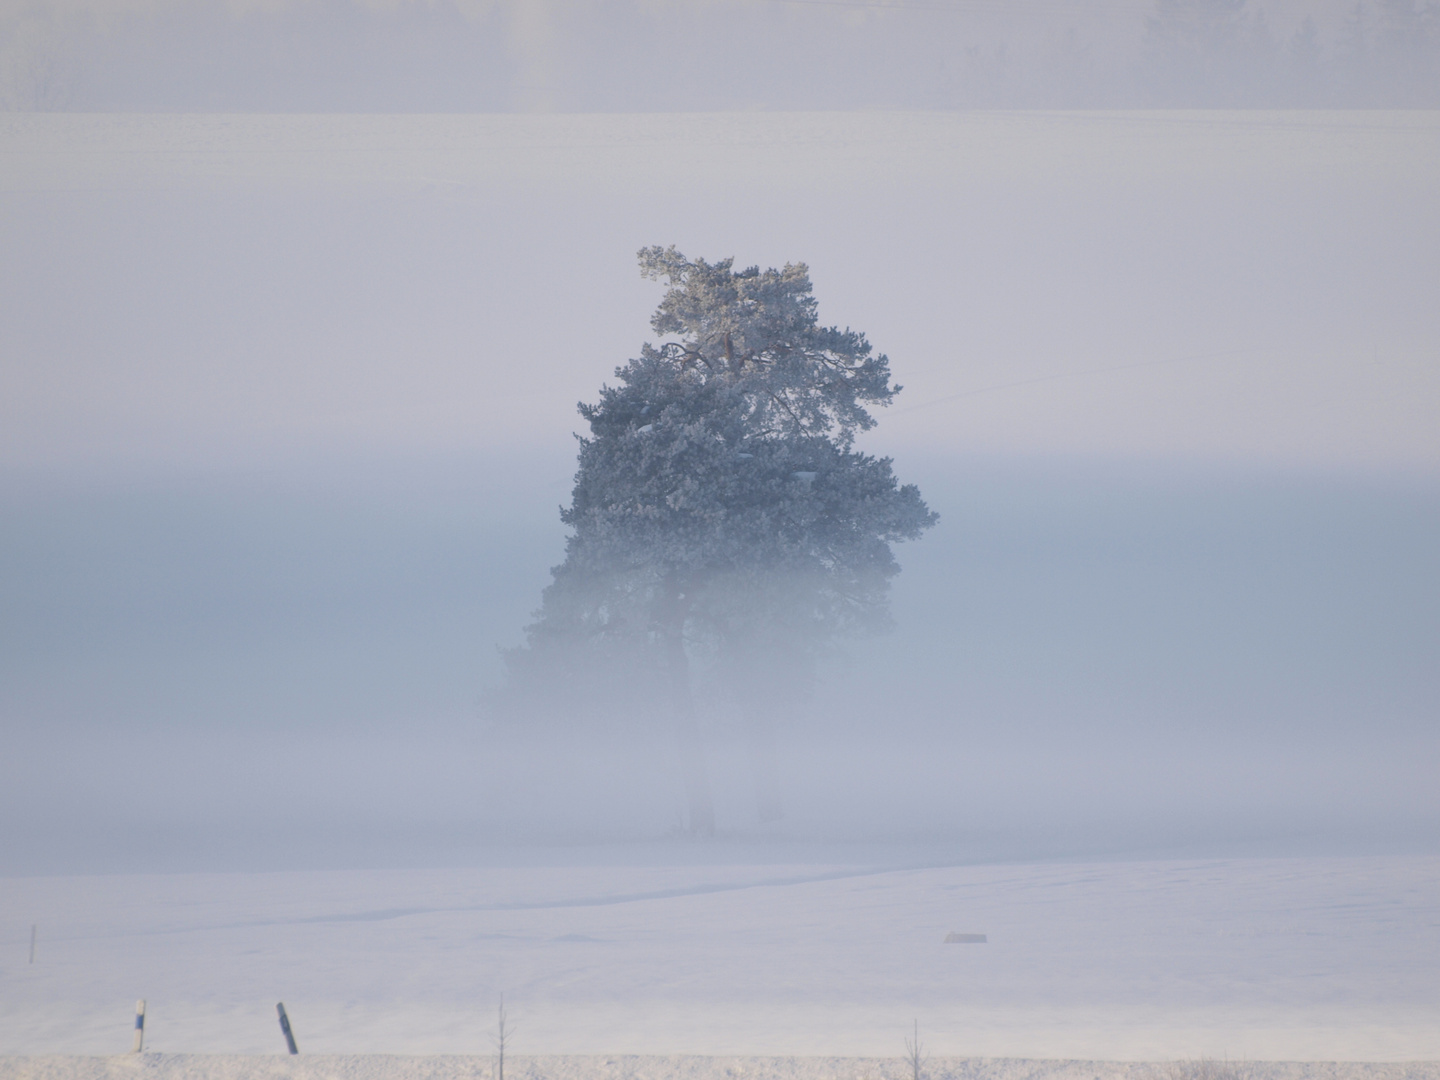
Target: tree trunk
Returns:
[[682, 708]]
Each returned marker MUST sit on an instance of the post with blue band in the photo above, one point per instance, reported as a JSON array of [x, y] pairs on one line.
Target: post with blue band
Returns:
[[139, 1026]]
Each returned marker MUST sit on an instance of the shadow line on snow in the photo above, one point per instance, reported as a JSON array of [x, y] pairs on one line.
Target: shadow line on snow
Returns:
[[386, 914]]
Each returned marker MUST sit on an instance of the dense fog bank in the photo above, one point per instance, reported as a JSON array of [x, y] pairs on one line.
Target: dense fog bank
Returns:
[[1169, 383], [257, 671]]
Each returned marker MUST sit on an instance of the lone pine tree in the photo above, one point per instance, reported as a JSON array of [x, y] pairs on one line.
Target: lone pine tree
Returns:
[[721, 510]]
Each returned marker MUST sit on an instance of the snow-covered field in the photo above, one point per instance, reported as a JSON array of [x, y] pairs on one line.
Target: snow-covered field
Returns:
[[678, 1067], [1273, 959]]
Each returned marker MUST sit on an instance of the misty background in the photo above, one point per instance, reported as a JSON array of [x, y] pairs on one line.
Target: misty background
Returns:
[[706, 55], [288, 407]]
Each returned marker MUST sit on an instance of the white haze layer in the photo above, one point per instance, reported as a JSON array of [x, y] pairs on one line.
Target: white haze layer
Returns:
[[1247, 288]]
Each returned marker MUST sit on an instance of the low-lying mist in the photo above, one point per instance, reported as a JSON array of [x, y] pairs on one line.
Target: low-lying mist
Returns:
[[218, 652], [250, 672]]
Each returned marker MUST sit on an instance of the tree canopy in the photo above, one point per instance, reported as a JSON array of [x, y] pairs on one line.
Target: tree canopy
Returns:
[[720, 509]]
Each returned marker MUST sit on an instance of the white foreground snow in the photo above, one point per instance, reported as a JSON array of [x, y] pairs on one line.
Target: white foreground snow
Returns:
[[1271, 959], [389, 1067]]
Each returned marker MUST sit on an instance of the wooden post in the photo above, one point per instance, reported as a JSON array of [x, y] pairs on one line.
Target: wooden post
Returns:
[[139, 1026], [285, 1027]]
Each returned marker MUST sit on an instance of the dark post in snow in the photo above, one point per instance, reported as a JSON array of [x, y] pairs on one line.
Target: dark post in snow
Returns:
[[285, 1027], [915, 1054], [139, 1026], [503, 1034]]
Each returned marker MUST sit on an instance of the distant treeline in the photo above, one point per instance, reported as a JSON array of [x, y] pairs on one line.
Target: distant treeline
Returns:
[[698, 55]]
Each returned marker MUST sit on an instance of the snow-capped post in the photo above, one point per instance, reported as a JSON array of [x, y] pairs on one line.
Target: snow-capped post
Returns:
[[722, 518], [139, 1027], [285, 1027]]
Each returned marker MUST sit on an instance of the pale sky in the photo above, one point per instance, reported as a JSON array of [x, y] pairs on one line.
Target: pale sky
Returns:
[[644, 55], [1227, 288]]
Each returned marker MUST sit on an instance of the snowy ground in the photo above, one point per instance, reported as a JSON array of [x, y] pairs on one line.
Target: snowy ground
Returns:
[[387, 1067], [1272, 959]]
